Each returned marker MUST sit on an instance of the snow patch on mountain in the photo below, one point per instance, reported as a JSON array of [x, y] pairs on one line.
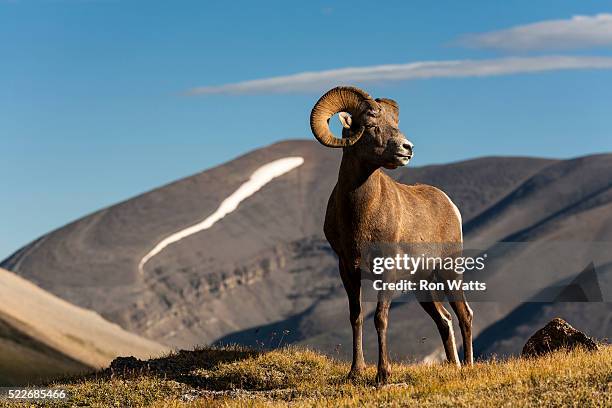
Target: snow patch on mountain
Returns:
[[260, 177]]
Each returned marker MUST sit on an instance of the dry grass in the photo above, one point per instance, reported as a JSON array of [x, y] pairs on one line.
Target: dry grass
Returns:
[[235, 377]]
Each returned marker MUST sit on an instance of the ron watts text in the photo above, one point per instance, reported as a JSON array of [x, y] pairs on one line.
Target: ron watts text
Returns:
[[426, 285]]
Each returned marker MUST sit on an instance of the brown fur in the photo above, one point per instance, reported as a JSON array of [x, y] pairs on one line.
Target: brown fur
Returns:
[[367, 206]]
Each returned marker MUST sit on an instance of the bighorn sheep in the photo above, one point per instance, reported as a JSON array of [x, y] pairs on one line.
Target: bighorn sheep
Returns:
[[368, 206]]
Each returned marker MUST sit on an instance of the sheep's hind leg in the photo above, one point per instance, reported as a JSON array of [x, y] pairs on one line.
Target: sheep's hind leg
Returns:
[[444, 322], [456, 298], [465, 316]]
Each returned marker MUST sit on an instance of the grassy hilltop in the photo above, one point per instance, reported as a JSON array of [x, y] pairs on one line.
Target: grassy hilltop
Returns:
[[235, 376]]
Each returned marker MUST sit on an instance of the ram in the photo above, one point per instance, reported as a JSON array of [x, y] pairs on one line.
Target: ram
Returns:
[[367, 206]]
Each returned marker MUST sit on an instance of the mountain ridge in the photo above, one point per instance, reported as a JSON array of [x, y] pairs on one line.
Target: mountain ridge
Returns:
[[267, 262]]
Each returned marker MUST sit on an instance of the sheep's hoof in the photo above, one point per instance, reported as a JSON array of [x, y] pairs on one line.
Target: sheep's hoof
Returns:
[[383, 375], [356, 373]]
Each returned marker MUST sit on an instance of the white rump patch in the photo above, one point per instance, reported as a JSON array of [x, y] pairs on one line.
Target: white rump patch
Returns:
[[262, 176], [457, 213]]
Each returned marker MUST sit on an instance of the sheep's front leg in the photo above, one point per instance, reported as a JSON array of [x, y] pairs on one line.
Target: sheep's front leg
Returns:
[[352, 284], [381, 319]]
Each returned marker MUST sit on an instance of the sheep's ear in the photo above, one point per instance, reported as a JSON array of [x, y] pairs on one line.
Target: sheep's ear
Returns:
[[345, 119]]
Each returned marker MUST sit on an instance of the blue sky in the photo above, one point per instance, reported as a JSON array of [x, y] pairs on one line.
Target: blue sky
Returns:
[[95, 105]]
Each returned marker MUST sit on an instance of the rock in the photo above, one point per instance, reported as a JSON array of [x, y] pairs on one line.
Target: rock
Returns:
[[556, 335], [122, 364]]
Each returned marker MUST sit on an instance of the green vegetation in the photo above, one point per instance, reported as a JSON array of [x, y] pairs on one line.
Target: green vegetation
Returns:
[[235, 376]]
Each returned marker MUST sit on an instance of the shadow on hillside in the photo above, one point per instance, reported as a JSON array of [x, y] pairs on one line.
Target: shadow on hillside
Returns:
[[181, 366]]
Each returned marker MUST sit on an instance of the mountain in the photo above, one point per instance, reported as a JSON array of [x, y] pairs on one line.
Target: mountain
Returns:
[[242, 258], [43, 336]]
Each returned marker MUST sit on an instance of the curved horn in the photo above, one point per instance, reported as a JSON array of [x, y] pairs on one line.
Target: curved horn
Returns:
[[340, 99], [392, 106]]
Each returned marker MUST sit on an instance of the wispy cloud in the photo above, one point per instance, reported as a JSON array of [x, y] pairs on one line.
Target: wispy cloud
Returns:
[[576, 32], [320, 80]]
